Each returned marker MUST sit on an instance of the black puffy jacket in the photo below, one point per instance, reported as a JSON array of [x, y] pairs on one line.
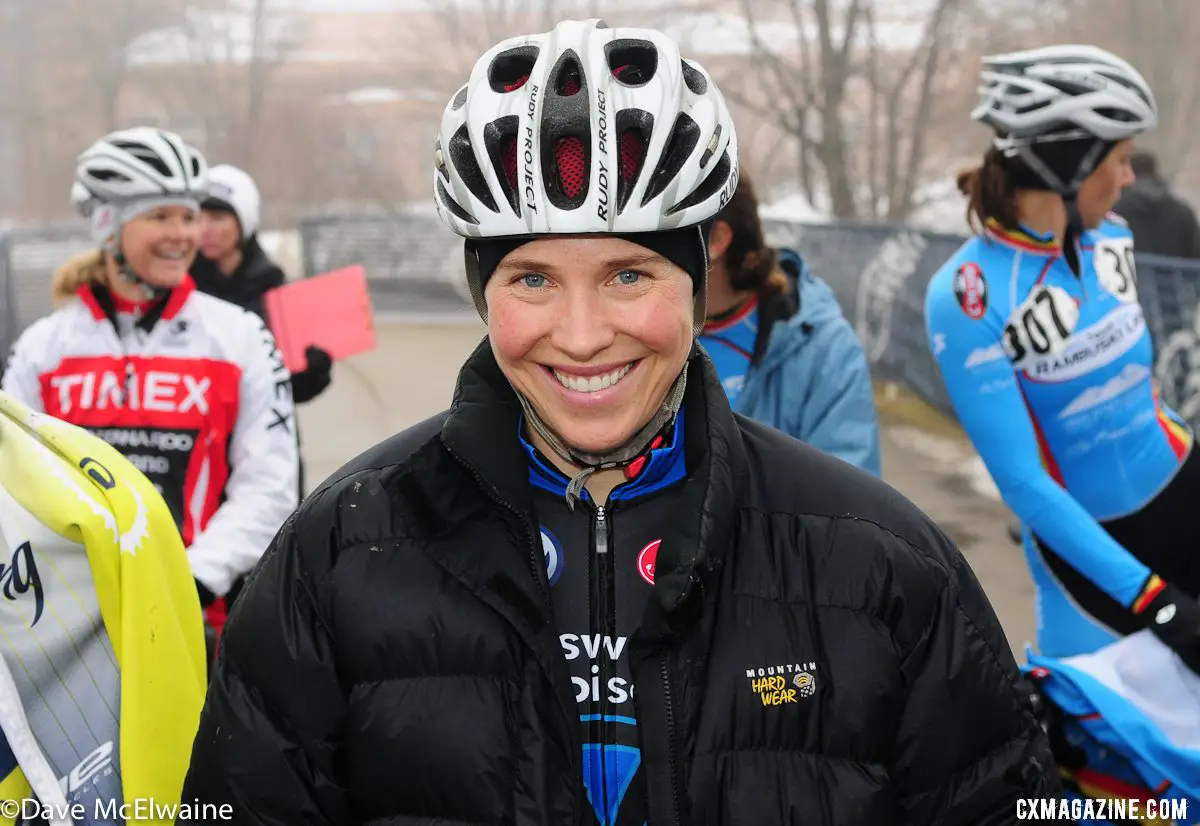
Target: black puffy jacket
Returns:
[[393, 658]]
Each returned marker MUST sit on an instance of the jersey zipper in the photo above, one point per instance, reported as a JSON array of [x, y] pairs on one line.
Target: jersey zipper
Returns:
[[603, 622]]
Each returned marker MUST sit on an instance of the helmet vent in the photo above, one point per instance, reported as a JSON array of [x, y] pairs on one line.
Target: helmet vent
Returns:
[[510, 70], [684, 138], [463, 158], [634, 128], [500, 138], [570, 159], [709, 187], [566, 133], [453, 205], [632, 62], [693, 78], [568, 82]]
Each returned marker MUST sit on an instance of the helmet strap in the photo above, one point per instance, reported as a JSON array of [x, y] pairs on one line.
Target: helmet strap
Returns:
[[1069, 192], [589, 463], [126, 273]]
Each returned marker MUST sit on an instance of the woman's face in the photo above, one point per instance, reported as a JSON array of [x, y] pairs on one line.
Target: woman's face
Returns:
[[160, 245], [1102, 189], [593, 332], [220, 233]]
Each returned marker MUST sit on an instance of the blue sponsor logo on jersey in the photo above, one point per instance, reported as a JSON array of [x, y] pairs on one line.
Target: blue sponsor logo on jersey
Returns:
[[552, 549]]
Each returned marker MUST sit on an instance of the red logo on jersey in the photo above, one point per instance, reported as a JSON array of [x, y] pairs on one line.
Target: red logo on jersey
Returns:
[[104, 391], [646, 560], [971, 290], [155, 390]]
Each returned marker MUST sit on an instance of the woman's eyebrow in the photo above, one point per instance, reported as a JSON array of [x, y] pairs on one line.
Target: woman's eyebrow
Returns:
[[534, 265], [526, 265], [635, 260]]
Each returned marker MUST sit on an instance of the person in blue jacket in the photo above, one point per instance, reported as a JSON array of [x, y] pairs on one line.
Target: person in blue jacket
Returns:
[[1045, 354], [781, 345]]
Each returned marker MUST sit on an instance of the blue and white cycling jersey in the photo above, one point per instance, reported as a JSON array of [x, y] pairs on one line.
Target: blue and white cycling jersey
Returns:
[[1051, 376]]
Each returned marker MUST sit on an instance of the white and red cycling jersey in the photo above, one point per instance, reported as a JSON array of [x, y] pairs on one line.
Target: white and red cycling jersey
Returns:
[[195, 393]]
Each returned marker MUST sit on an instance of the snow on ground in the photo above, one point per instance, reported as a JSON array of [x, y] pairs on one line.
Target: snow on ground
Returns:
[[956, 458]]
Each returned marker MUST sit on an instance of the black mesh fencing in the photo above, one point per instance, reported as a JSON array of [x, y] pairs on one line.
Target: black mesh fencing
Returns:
[[414, 267]]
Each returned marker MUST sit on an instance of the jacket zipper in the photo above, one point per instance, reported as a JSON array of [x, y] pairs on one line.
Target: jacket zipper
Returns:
[[669, 713], [672, 762], [603, 621]]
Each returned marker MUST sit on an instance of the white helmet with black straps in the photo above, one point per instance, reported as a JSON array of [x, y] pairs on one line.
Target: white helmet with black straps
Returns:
[[141, 163], [1047, 91], [584, 129], [1063, 93]]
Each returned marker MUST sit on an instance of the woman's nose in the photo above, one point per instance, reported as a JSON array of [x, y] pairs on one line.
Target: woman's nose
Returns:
[[182, 228], [585, 326]]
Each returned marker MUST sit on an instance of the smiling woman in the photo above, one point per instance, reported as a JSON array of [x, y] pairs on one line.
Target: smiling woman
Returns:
[[588, 592], [592, 333], [190, 388]]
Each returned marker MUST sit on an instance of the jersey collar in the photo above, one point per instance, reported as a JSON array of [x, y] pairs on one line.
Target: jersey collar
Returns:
[[103, 304], [659, 467], [1024, 239]]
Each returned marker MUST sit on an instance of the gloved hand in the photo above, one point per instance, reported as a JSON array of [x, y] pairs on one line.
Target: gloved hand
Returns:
[[1173, 617], [309, 383], [207, 597]]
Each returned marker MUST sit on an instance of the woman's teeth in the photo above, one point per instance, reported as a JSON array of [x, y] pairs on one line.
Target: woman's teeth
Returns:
[[592, 384], [177, 255]]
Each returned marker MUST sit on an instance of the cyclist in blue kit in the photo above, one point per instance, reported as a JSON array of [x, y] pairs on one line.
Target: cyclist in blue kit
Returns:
[[1036, 327]]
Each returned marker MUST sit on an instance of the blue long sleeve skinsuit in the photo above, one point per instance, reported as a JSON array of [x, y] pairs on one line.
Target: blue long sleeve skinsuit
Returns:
[[1051, 376]]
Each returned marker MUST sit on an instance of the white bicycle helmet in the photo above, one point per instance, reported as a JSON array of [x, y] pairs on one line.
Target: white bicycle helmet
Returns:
[[144, 162], [584, 129], [1083, 91]]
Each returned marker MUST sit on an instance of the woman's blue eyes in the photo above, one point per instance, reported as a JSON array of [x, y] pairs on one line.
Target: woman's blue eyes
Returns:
[[534, 281]]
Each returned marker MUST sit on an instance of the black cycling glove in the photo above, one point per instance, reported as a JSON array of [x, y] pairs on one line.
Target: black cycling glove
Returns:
[[1173, 616], [316, 376]]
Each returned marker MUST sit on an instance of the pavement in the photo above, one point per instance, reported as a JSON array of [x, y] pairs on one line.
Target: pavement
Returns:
[[411, 374]]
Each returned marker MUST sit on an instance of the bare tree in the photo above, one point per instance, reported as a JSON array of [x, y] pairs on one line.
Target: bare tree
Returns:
[[903, 110], [98, 38], [858, 108], [233, 49]]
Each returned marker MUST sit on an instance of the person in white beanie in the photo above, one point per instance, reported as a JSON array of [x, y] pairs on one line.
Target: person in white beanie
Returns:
[[232, 265]]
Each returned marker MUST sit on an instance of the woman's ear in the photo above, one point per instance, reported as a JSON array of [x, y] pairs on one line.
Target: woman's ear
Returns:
[[719, 240]]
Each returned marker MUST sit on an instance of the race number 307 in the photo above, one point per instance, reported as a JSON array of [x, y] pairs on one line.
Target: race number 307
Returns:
[[1042, 324]]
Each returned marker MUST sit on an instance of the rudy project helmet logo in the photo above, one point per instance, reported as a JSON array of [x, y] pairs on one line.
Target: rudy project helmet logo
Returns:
[[552, 549], [646, 560]]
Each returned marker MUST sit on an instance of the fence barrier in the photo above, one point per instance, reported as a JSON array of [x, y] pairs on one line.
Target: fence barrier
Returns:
[[879, 273]]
